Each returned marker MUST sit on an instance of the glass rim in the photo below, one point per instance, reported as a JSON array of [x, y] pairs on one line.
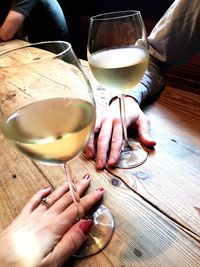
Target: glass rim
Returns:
[[117, 14], [66, 49]]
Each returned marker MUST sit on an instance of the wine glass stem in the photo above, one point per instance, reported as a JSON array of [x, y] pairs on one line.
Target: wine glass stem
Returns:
[[73, 190], [123, 119]]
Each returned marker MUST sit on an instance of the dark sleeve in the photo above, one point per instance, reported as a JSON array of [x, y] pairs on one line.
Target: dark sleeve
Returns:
[[23, 6], [173, 41]]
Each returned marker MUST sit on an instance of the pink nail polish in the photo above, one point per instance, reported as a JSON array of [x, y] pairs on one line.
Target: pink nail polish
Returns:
[[101, 189], [86, 176], [85, 226]]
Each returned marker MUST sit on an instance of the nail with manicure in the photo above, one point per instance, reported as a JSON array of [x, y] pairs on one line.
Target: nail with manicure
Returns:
[[101, 189], [86, 176], [85, 226]]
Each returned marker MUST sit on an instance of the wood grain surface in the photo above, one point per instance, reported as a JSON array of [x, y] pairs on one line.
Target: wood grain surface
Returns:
[[156, 206]]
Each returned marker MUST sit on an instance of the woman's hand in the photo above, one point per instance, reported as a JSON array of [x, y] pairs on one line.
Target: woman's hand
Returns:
[[109, 130], [42, 236]]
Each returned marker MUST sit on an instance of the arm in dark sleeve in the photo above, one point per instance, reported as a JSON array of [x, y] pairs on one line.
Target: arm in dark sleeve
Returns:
[[23, 7], [173, 41], [13, 23]]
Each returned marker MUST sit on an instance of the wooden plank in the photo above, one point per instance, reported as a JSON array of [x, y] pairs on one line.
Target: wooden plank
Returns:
[[155, 205], [169, 179], [19, 180], [5, 46], [143, 236]]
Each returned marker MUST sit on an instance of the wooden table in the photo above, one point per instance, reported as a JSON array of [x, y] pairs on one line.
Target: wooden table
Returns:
[[156, 206]]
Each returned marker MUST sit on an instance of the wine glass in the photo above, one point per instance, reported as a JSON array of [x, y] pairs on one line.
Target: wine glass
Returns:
[[117, 53], [47, 111]]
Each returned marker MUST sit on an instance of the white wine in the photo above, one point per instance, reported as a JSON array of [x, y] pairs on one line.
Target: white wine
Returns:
[[120, 68], [51, 130]]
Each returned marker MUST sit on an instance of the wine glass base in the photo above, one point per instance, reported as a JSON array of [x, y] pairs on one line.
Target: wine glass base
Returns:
[[132, 158], [100, 234]]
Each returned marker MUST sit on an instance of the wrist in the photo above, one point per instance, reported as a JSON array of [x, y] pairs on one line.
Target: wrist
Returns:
[[126, 96], [8, 256]]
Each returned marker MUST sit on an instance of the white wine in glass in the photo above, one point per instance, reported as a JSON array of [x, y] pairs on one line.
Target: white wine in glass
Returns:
[[48, 112], [118, 57]]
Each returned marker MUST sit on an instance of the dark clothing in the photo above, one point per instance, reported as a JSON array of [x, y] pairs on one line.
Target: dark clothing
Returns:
[[24, 6], [4, 9], [149, 9], [44, 19]]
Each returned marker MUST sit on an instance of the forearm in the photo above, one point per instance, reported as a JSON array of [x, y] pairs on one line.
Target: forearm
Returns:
[[7, 258], [11, 25], [8, 255], [5, 263], [151, 83], [173, 41], [5, 36]]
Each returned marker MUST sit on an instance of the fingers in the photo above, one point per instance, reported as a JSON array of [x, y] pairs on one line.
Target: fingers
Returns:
[[116, 143], [69, 215], [111, 131], [90, 148], [62, 225], [137, 118], [61, 198], [92, 198], [35, 200], [144, 132], [60, 195], [104, 127], [62, 202], [72, 241], [54, 196], [103, 143]]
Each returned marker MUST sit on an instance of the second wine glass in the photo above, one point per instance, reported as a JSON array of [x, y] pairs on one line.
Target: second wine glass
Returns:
[[118, 57], [48, 111]]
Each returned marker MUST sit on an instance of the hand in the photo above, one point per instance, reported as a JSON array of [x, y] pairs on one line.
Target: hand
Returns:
[[48, 237], [109, 131]]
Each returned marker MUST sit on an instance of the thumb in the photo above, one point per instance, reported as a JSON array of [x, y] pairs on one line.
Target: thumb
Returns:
[[72, 241]]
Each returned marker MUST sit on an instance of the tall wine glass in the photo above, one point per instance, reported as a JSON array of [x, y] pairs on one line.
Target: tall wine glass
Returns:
[[118, 57], [47, 111]]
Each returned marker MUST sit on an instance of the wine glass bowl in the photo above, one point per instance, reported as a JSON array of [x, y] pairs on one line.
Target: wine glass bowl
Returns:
[[118, 57], [48, 111], [38, 121]]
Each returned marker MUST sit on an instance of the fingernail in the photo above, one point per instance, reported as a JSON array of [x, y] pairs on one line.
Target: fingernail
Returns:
[[46, 187], [90, 155], [85, 226], [101, 189], [112, 160], [96, 130], [99, 164], [86, 176]]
